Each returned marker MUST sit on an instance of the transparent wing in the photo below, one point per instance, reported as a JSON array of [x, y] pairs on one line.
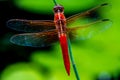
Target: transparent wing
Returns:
[[87, 31], [88, 16], [30, 25], [40, 39]]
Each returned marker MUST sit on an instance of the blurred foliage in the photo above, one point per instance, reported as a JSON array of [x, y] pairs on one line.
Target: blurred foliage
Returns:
[[21, 71], [46, 7], [96, 58]]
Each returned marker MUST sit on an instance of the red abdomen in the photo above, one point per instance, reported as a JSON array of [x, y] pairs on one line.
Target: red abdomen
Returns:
[[64, 46]]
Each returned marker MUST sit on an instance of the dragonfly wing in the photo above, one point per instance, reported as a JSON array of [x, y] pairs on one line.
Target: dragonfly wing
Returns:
[[40, 39], [30, 25], [87, 16], [88, 30]]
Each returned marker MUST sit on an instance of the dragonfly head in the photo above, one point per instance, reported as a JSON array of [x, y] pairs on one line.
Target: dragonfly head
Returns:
[[58, 8]]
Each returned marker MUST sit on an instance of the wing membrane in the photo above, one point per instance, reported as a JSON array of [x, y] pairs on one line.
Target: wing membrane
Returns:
[[85, 25], [40, 39], [30, 25], [87, 16], [87, 31]]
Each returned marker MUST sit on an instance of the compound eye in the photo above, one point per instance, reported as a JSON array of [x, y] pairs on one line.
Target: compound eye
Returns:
[[61, 9], [58, 8], [55, 10]]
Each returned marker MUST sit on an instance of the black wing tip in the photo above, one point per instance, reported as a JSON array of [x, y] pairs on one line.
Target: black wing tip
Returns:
[[105, 19], [104, 4]]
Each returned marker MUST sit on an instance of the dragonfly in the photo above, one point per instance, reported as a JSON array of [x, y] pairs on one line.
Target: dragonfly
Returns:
[[42, 33]]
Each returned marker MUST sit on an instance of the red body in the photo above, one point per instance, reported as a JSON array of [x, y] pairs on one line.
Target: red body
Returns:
[[60, 22], [64, 46]]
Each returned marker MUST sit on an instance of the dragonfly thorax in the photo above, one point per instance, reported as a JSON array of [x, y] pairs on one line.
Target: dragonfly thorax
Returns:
[[58, 8]]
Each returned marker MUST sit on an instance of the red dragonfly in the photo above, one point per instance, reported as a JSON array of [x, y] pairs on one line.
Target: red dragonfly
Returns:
[[42, 33]]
